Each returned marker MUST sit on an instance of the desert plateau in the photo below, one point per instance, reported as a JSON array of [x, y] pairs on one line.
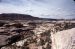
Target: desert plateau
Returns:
[[36, 33]]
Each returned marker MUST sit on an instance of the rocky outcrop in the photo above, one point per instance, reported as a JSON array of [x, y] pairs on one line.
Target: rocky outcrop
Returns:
[[31, 34], [64, 39]]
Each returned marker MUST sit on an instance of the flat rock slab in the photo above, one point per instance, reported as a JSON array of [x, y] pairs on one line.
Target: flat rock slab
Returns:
[[64, 39], [3, 40]]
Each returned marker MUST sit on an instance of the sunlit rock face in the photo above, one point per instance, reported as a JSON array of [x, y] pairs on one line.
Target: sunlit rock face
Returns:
[[64, 39]]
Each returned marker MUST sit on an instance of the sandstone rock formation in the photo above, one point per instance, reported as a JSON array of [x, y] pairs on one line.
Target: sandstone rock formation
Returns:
[[36, 34], [64, 39]]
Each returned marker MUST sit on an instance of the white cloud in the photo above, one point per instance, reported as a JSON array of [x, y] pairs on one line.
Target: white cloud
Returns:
[[40, 8]]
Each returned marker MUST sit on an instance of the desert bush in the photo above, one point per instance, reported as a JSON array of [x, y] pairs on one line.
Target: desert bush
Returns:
[[17, 25], [2, 23]]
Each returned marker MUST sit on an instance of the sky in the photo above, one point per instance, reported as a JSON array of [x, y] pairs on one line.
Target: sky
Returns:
[[60, 9]]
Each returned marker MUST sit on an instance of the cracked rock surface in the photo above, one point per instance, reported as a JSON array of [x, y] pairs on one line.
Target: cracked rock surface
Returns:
[[33, 34]]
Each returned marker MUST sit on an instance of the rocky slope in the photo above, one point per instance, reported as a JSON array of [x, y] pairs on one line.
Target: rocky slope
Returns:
[[34, 34]]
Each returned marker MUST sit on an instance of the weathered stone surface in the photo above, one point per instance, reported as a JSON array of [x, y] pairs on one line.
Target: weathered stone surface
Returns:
[[64, 39], [3, 40], [34, 35]]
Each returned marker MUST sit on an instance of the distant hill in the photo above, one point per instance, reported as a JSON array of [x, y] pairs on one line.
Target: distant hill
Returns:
[[14, 16]]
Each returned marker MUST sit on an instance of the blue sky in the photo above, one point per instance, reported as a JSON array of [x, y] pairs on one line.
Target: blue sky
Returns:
[[40, 8]]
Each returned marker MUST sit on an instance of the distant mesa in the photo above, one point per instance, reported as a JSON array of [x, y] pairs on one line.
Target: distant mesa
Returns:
[[15, 16]]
